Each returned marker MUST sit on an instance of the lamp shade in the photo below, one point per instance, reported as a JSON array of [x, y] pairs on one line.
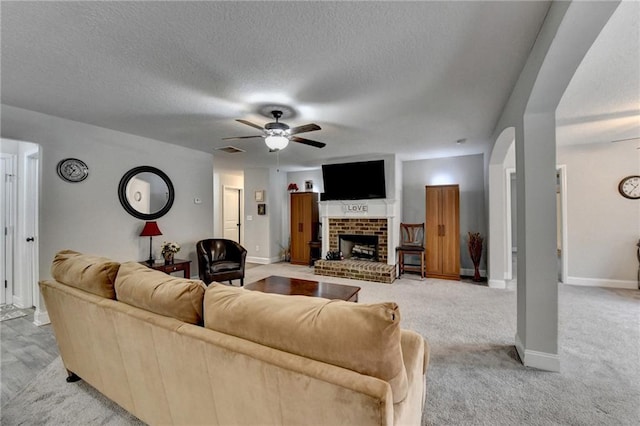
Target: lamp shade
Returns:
[[276, 142], [150, 230]]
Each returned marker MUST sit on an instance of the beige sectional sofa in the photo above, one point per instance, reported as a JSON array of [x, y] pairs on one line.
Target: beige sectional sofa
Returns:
[[172, 351]]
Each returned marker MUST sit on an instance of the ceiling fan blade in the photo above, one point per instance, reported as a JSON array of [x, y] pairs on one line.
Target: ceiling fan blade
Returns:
[[242, 137], [308, 142], [248, 123], [306, 128]]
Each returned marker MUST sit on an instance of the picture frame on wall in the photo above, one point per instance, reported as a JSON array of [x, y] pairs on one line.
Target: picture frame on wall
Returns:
[[259, 195], [262, 209], [308, 185]]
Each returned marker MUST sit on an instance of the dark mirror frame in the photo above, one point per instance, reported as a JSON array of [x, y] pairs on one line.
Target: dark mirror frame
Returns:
[[122, 193]]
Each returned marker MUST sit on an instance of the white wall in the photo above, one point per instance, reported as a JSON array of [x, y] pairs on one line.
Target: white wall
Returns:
[[300, 177], [468, 173], [257, 232], [87, 216], [277, 213], [603, 227]]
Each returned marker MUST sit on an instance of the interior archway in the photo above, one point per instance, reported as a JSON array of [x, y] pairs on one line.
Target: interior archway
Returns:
[[498, 244]]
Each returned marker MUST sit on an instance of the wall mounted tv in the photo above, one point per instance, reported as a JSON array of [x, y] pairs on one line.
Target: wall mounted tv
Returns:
[[354, 181]]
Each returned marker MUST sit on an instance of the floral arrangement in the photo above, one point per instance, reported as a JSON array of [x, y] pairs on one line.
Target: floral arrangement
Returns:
[[170, 247], [292, 187]]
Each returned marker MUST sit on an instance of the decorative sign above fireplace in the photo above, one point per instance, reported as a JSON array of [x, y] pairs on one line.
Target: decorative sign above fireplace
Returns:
[[355, 208]]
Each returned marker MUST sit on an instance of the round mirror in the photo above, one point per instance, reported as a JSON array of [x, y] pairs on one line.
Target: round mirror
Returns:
[[146, 192]]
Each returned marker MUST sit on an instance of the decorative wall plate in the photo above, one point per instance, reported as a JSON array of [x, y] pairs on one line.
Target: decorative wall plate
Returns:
[[72, 170]]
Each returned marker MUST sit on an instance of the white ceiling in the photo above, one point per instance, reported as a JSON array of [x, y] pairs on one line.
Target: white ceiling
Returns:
[[379, 77]]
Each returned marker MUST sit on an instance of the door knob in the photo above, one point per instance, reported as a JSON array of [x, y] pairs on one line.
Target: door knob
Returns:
[[29, 239]]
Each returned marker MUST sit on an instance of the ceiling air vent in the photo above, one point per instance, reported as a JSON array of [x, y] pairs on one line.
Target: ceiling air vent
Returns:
[[230, 149]]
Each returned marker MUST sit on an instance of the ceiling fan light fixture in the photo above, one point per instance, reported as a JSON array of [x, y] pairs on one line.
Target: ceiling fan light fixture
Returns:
[[276, 143]]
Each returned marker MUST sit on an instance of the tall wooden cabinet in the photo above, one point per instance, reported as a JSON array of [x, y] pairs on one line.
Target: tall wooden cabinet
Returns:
[[442, 231], [304, 225]]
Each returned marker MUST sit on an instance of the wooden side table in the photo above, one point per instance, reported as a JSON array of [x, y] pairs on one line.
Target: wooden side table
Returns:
[[177, 265]]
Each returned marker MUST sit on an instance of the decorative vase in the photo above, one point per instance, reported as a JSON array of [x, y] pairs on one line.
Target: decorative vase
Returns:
[[475, 252], [476, 274], [168, 257]]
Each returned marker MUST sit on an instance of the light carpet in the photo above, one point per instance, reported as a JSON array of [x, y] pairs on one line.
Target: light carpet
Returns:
[[474, 377]]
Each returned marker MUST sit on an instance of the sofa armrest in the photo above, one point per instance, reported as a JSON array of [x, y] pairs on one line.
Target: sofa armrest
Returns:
[[415, 351], [415, 355]]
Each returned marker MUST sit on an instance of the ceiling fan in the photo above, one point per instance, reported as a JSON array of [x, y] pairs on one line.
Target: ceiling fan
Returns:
[[277, 135]]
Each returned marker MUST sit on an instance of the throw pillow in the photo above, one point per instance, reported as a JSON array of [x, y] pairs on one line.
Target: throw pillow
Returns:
[[163, 294], [93, 274]]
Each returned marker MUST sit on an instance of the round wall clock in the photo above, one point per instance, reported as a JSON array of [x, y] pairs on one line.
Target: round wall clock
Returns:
[[73, 170], [629, 187]]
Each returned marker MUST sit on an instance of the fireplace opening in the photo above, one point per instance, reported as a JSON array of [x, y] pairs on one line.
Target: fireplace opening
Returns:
[[359, 247]]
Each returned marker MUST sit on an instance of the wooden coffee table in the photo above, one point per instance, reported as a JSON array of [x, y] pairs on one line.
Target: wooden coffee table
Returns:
[[296, 286]]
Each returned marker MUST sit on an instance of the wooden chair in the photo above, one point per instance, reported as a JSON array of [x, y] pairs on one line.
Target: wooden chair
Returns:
[[411, 244]]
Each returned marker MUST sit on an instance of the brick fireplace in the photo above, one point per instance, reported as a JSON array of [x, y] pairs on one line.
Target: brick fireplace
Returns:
[[360, 226], [375, 220]]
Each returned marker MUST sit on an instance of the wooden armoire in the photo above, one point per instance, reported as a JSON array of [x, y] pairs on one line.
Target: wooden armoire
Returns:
[[442, 231], [304, 225]]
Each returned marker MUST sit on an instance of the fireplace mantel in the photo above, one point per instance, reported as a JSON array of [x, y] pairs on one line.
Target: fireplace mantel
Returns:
[[351, 208], [362, 209]]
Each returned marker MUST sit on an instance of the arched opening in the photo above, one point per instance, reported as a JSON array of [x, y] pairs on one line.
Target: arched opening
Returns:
[[499, 271]]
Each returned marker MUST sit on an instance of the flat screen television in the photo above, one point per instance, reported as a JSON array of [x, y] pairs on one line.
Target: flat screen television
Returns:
[[354, 181]]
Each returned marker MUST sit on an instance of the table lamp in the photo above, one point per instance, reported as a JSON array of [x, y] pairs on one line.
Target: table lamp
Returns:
[[150, 230]]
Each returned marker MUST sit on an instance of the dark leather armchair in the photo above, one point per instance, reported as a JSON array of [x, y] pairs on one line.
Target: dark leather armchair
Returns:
[[220, 260]]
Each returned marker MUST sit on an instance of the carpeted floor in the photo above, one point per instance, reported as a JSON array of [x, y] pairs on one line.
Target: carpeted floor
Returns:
[[474, 377]]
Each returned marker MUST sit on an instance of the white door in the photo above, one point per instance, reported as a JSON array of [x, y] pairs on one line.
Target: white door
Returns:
[[31, 293], [231, 214], [7, 226], [561, 212]]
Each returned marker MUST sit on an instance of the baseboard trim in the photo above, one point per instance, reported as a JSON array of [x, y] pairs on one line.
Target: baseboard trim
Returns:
[[471, 272], [599, 282], [263, 260], [536, 359], [41, 318], [497, 283], [18, 302]]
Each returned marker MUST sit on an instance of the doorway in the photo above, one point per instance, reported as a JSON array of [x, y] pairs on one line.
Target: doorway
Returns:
[[30, 293], [19, 216], [561, 227], [231, 217], [8, 192], [563, 235]]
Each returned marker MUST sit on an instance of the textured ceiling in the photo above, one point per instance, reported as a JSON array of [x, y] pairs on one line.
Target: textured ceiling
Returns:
[[602, 101], [379, 77]]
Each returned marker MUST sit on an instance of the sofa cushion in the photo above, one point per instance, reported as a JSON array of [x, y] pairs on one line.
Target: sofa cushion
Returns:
[[163, 294], [361, 337], [93, 274]]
